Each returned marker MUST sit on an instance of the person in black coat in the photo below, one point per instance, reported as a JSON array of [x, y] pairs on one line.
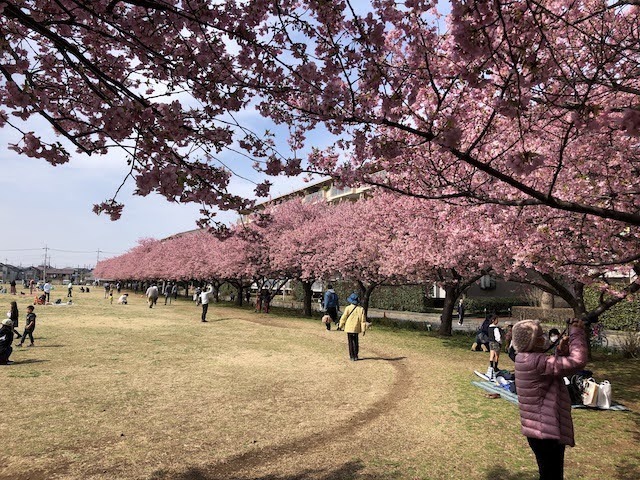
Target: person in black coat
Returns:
[[6, 339], [482, 334]]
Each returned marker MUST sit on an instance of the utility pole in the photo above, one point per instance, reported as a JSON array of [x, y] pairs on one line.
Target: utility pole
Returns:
[[98, 257], [44, 267]]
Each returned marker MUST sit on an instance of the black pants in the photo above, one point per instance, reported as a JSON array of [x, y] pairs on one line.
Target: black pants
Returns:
[[5, 353], [352, 339], [47, 296], [333, 313], [24, 336], [205, 307], [550, 457]]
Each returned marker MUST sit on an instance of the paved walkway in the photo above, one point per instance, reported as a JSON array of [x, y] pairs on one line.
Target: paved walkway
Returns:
[[470, 323]]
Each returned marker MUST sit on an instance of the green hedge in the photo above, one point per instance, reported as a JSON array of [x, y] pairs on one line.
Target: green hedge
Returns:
[[412, 298], [406, 297], [553, 315], [622, 316]]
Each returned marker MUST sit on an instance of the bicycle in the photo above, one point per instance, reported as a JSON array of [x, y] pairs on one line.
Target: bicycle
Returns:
[[598, 337]]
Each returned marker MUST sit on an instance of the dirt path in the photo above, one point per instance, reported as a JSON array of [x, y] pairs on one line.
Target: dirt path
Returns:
[[250, 460]]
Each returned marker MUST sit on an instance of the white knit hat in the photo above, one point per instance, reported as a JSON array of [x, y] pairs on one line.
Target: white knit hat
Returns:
[[7, 322], [525, 334]]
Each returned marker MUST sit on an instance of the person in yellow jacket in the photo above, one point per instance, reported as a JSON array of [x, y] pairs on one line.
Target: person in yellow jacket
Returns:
[[353, 321]]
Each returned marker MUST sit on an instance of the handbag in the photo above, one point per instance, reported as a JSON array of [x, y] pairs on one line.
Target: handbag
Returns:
[[590, 393], [604, 395]]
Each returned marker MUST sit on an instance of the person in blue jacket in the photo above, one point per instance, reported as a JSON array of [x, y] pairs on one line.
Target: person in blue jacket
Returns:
[[330, 305]]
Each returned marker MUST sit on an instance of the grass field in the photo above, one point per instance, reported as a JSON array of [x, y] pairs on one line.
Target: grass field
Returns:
[[127, 392]]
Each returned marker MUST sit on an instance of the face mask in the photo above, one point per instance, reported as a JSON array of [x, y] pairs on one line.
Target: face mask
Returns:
[[543, 342], [553, 338]]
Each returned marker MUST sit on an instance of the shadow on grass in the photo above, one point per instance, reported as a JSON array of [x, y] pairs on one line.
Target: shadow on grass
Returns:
[[28, 360], [500, 472], [348, 471], [360, 359], [51, 346], [627, 471]]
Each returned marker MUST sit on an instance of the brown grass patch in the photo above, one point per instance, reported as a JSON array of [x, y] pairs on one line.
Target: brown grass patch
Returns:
[[129, 392]]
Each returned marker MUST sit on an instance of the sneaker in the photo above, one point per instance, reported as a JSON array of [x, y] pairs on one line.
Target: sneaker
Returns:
[[484, 348]]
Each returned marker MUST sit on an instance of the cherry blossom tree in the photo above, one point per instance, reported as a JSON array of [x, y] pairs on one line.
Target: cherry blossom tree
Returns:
[[295, 233], [438, 243], [511, 103]]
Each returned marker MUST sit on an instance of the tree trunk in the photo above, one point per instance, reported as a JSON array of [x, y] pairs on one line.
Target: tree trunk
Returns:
[[240, 291], [451, 296], [216, 293], [367, 297], [547, 301], [308, 298]]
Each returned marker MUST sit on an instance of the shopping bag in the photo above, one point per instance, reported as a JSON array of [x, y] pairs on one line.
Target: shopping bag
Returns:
[[590, 393], [604, 395]]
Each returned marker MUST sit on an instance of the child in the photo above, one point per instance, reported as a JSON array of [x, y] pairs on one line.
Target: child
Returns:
[[495, 345], [30, 327], [326, 319], [6, 338]]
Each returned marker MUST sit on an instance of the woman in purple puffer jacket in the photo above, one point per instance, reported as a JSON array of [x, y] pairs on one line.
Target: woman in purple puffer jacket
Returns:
[[545, 406]]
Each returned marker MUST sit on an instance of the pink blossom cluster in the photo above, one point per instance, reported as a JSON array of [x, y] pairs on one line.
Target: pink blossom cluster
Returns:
[[391, 239], [504, 102]]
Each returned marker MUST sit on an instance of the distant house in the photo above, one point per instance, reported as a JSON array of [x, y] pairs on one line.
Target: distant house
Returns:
[[11, 273], [62, 275]]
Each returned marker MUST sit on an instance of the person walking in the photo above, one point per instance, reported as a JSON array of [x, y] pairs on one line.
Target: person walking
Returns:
[[460, 312], [204, 300], [30, 327], [353, 321], [330, 305], [69, 290], [174, 291], [46, 288], [167, 293], [32, 284], [152, 295], [543, 398], [12, 285]]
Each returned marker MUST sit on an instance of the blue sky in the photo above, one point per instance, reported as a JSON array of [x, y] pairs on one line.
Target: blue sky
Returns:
[[51, 206]]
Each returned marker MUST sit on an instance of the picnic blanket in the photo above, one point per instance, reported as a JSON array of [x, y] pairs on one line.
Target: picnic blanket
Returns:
[[513, 398]]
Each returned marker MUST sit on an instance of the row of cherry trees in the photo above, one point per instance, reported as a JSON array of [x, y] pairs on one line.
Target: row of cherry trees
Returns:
[[390, 239]]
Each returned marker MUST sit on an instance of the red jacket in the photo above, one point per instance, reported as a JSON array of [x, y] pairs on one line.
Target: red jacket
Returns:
[[545, 406]]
